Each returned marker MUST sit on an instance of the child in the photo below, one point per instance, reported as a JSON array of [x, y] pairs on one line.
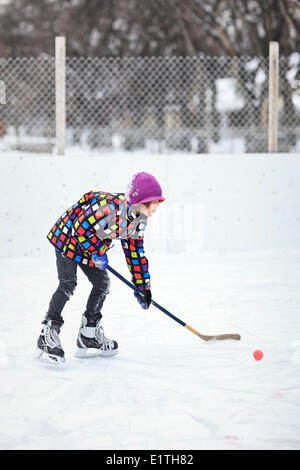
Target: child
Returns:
[[82, 237]]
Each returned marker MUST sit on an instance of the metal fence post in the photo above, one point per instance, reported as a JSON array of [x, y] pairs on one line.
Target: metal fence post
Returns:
[[60, 94], [273, 96]]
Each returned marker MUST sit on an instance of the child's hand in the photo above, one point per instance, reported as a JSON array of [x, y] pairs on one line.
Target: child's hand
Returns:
[[144, 298], [100, 262]]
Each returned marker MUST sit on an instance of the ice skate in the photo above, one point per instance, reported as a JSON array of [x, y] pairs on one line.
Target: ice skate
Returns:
[[92, 342], [49, 347]]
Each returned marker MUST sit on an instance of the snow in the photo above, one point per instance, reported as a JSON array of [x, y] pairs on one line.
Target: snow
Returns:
[[260, 77], [252, 64], [167, 389], [294, 59], [227, 98]]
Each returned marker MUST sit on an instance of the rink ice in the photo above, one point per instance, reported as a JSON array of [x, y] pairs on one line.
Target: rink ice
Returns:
[[167, 389], [236, 270]]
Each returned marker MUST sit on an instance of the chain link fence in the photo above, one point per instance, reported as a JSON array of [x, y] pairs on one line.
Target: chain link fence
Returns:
[[196, 104], [27, 117]]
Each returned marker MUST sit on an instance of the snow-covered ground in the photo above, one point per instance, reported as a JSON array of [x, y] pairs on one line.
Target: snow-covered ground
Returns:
[[167, 389]]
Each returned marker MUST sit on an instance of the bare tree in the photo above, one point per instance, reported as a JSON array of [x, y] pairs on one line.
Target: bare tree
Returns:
[[150, 27], [240, 27]]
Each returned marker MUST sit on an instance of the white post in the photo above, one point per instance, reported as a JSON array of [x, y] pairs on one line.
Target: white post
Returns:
[[273, 96], [60, 93]]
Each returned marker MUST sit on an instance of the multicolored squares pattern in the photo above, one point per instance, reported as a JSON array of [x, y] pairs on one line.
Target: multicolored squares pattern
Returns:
[[137, 261], [89, 227]]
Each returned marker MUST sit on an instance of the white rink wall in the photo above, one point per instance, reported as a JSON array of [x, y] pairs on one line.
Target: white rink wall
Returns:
[[214, 202]]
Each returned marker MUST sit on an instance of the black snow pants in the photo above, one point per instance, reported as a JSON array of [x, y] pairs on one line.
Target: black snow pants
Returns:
[[67, 275]]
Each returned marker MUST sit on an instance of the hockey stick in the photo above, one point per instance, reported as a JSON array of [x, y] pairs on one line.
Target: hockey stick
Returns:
[[204, 337]]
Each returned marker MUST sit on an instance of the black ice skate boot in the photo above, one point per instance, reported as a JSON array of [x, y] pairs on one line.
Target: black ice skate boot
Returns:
[[49, 346], [92, 342]]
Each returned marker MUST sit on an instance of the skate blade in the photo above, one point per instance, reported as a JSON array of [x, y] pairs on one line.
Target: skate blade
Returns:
[[83, 353], [48, 358]]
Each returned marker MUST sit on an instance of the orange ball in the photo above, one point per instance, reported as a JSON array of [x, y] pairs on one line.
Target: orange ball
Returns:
[[258, 355]]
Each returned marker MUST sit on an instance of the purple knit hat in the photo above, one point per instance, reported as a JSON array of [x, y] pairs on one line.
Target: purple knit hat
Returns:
[[143, 187]]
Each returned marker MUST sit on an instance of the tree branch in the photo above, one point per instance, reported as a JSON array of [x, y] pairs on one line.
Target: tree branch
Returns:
[[296, 7], [222, 35], [188, 42], [287, 17]]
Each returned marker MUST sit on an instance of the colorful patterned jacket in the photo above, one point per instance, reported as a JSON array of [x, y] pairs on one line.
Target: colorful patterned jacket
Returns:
[[90, 226]]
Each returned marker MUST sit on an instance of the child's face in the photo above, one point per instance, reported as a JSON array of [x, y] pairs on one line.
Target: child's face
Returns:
[[149, 209]]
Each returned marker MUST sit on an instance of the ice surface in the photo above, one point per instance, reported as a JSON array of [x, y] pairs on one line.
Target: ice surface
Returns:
[[167, 389]]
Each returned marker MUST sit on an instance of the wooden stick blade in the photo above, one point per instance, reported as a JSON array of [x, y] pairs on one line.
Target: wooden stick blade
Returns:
[[211, 337], [226, 336]]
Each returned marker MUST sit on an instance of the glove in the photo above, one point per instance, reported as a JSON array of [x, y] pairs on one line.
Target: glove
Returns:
[[100, 262], [144, 298]]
